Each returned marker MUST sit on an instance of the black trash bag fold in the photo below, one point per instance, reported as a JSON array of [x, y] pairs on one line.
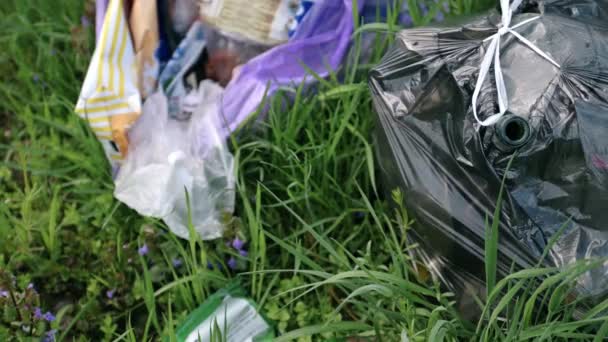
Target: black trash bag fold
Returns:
[[449, 168]]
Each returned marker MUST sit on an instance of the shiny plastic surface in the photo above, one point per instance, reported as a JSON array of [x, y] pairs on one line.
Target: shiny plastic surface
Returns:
[[170, 157], [450, 168]]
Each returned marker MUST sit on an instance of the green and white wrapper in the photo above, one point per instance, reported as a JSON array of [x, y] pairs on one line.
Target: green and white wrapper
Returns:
[[227, 313]]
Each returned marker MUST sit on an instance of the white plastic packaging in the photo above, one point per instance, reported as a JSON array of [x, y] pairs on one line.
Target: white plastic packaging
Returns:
[[168, 158]]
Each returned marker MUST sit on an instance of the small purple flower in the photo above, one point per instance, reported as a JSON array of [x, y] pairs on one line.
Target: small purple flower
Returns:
[[209, 265], [176, 262], [50, 336], [405, 19], [424, 8], [359, 215], [49, 317], [243, 252], [84, 21], [38, 313], [4, 294], [53, 52], [36, 78], [143, 250], [238, 244], [232, 263], [439, 16], [110, 293]]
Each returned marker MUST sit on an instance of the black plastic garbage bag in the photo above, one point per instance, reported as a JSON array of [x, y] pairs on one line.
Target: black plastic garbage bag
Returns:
[[449, 167]]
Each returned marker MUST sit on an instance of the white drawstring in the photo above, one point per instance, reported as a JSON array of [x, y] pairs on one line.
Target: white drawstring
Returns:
[[493, 53]]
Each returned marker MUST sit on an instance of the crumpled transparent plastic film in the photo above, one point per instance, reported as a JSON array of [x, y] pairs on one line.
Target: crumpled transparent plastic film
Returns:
[[169, 158]]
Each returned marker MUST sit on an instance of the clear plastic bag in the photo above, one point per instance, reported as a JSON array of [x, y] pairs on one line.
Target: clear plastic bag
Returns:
[[169, 158]]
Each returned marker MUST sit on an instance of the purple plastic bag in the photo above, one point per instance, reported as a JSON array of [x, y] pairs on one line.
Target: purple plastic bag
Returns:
[[320, 42], [100, 13]]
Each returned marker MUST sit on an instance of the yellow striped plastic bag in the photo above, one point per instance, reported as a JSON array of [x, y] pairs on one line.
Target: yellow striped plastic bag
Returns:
[[110, 100]]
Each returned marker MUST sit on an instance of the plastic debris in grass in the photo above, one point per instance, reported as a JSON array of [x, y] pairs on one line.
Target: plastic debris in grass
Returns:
[[313, 36], [238, 19], [228, 315], [178, 146], [110, 100], [319, 44], [446, 134], [237, 32], [171, 160]]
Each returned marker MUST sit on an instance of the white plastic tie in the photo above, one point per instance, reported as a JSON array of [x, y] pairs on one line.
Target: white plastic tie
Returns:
[[492, 56]]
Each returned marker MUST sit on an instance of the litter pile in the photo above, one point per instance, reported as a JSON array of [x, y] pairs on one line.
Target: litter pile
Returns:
[[456, 105], [171, 80]]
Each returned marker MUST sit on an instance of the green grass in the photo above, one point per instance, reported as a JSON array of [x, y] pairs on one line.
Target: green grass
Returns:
[[328, 257]]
